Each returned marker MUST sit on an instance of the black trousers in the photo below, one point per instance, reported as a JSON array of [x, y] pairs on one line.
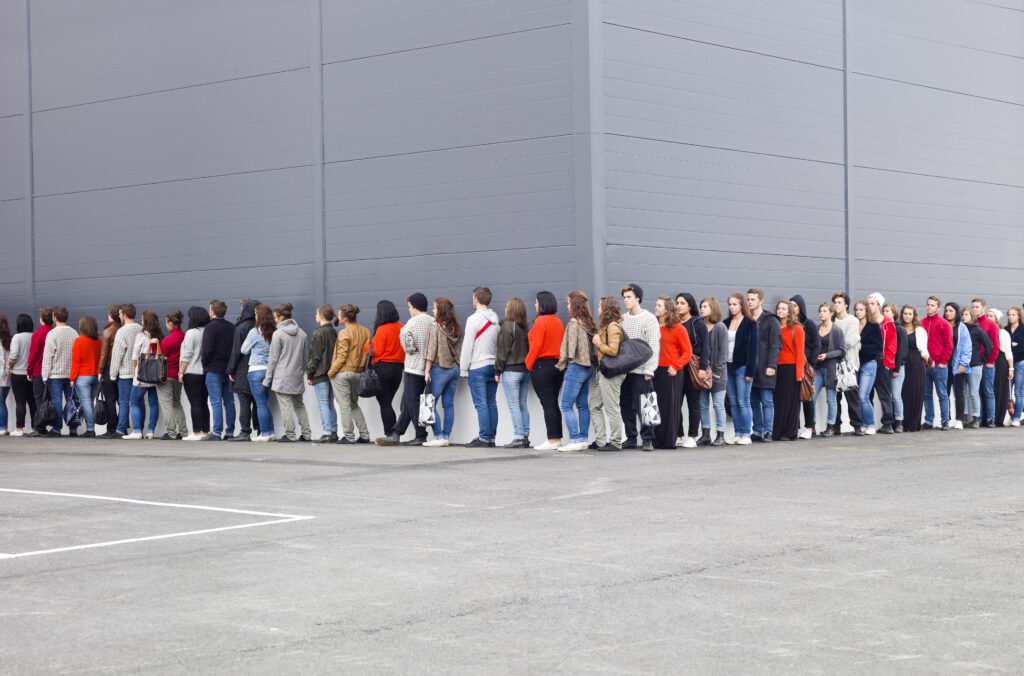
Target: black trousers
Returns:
[[195, 389], [692, 396], [39, 394], [390, 379], [248, 415], [883, 388], [957, 383], [853, 403], [633, 386], [547, 381], [786, 423], [409, 411], [22, 396], [110, 396], [670, 403]]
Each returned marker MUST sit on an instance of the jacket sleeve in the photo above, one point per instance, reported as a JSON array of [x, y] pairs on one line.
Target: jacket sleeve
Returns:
[[837, 338], [275, 355], [407, 339], [117, 355], [236, 351], [890, 344], [316, 353], [812, 342], [49, 350], [685, 348], [503, 346], [206, 348], [76, 358], [774, 345], [986, 347], [1004, 346], [722, 339], [921, 336], [14, 355], [614, 337], [105, 346], [535, 339], [564, 349], [801, 357], [753, 347], [340, 353], [466, 357]]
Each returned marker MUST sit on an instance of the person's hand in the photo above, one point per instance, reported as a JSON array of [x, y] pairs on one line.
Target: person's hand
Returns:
[[29, 378], [181, 377], [769, 372], [821, 357], [497, 377], [961, 369], [426, 377], [749, 379], [647, 377], [672, 371], [596, 339], [231, 378], [309, 381], [895, 374]]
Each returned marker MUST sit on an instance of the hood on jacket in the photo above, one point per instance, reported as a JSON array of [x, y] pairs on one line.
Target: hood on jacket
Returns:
[[491, 315], [799, 300], [288, 326], [248, 311]]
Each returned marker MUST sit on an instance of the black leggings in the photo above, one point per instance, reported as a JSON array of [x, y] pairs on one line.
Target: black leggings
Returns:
[[692, 396], [22, 395], [195, 389], [547, 381], [110, 397], [390, 378]]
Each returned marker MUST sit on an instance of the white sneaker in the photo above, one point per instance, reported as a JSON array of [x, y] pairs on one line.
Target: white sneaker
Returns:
[[436, 443], [3, 433], [959, 424], [743, 441], [689, 443], [804, 433], [568, 447], [150, 435], [546, 446], [133, 436], [264, 437], [869, 431], [18, 433], [192, 437], [1015, 423]]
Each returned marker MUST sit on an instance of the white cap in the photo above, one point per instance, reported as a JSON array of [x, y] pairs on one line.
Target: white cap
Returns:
[[879, 298], [998, 314]]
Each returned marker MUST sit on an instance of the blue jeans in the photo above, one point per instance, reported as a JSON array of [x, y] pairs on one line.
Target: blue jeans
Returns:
[[219, 387], [516, 385], [484, 390], [936, 377], [762, 405], [3, 407], [897, 393], [87, 386], [576, 392], [717, 399], [1018, 391], [739, 399], [60, 391], [830, 395], [124, 399], [988, 389], [325, 403], [442, 386], [865, 381], [139, 395], [974, 379], [260, 395]]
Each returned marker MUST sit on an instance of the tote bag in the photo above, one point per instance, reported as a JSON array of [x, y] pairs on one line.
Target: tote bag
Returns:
[[632, 353], [152, 367], [369, 381]]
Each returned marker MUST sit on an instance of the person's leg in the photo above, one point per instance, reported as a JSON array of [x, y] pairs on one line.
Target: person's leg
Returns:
[[352, 382], [866, 381], [180, 426], [110, 400], [451, 380], [137, 407], [718, 401], [511, 382], [492, 406], [883, 387], [756, 412], [582, 406], [768, 408], [259, 395], [390, 378], [930, 384], [124, 398], [897, 393], [56, 386], [629, 413], [436, 389], [943, 392], [164, 397], [229, 407], [4, 391], [478, 392], [154, 410], [611, 397], [299, 406], [570, 389], [39, 391], [596, 405], [324, 405], [732, 389], [546, 382], [409, 408], [22, 399], [287, 404], [213, 387], [693, 409], [962, 392], [705, 410], [640, 385], [988, 392], [244, 412], [1018, 392], [86, 388], [974, 382], [346, 424]]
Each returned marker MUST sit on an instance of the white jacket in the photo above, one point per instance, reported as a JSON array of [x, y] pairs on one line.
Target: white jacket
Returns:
[[479, 352]]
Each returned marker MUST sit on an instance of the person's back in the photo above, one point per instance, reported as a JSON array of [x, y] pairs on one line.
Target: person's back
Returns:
[[218, 336], [289, 355]]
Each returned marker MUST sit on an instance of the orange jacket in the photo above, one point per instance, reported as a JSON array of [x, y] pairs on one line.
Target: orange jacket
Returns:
[[545, 339], [85, 357], [793, 339], [386, 344], [676, 349]]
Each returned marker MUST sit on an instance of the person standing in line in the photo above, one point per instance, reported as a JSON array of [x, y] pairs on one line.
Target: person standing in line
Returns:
[[831, 350], [713, 361], [168, 393], [576, 359], [35, 364], [17, 362], [237, 372], [477, 363], [388, 359], [638, 324], [190, 373], [988, 377], [218, 338], [940, 349], [121, 366], [257, 346], [1015, 327], [289, 355], [812, 348], [762, 394], [321, 352], [912, 392], [56, 367], [689, 317], [850, 327], [981, 348], [892, 313], [886, 369], [85, 360], [441, 360], [510, 369], [545, 340], [1004, 368], [5, 372], [108, 380], [872, 345], [605, 391], [147, 341], [742, 359], [413, 338], [790, 372], [671, 374], [348, 361], [959, 368]]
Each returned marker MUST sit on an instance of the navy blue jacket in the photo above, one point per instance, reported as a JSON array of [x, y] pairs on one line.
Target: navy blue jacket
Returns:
[[871, 342], [745, 352]]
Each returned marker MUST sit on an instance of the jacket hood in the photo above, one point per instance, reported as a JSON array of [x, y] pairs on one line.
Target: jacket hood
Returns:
[[248, 311], [491, 315], [288, 326], [799, 300]]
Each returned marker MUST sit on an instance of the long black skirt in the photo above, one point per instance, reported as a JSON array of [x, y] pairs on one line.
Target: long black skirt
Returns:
[[913, 391], [787, 403], [670, 401], [1002, 389]]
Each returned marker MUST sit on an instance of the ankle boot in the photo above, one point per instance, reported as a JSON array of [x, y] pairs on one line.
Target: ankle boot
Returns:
[[830, 430], [705, 438], [719, 439]]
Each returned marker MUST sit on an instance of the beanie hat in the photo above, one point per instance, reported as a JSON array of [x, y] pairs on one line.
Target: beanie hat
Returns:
[[637, 290], [418, 301]]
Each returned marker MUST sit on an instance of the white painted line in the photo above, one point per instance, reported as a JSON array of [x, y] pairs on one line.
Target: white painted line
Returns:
[[279, 518]]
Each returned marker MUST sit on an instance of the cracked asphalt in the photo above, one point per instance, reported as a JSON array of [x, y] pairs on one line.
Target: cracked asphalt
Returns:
[[873, 555]]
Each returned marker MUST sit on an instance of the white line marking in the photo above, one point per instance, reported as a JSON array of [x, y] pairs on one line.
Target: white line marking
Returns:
[[279, 518]]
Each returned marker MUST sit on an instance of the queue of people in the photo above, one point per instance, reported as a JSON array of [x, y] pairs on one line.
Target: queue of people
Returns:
[[766, 368]]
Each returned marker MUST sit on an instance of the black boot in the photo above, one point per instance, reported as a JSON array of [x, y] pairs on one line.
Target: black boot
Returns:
[[705, 438], [719, 439], [830, 431]]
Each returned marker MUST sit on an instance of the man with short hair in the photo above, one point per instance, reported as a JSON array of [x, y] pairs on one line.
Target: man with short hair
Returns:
[[638, 324], [218, 337], [479, 348], [886, 362], [988, 375], [56, 367], [34, 369], [413, 337], [940, 349], [762, 393], [237, 372], [850, 327], [122, 367], [108, 381]]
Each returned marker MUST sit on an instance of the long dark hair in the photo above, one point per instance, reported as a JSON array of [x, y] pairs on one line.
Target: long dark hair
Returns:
[[956, 320], [444, 316], [151, 325], [198, 317], [387, 313], [547, 303], [691, 301], [265, 321], [25, 323], [5, 333], [579, 309]]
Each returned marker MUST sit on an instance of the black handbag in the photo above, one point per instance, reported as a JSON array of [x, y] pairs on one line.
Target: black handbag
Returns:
[[369, 380], [632, 353], [72, 413], [99, 407], [152, 367], [46, 414]]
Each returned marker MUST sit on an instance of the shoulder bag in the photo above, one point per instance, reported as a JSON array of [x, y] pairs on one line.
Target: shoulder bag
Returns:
[[807, 377], [700, 382], [369, 379], [99, 407], [632, 353], [46, 414], [152, 367]]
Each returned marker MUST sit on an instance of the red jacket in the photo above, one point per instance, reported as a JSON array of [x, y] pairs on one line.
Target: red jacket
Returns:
[[889, 343], [35, 351], [992, 329], [545, 339], [940, 339], [171, 346], [676, 349]]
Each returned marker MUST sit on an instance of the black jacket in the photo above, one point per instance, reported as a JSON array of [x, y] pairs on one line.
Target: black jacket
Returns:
[[981, 345], [697, 329], [746, 350], [216, 350], [238, 364], [769, 345], [812, 341], [871, 342], [901, 347]]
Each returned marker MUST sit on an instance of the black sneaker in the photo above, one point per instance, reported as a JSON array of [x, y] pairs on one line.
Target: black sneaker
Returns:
[[991, 422], [611, 448], [363, 440], [974, 424], [332, 438], [515, 443], [858, 431], [946, 426], [594, 446], [898, 429], [648, 445], [630, 443], [212, 437], [766, 437], [88, 435], [389, 440], [53, 434], [477, 443], [241, 436], [886, 429], [344, 440], [415, 441], [166, 437], [719, 439], [308, 440], [285, 440]]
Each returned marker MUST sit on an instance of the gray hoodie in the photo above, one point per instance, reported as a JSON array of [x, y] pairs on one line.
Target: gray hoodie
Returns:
[[289, 354], [479, 352]]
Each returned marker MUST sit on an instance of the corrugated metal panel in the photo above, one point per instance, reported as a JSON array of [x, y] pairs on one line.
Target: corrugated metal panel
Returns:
[[913, 282], [361, 28], [12, 58], [483, 91], [13, 268], [12, 157]]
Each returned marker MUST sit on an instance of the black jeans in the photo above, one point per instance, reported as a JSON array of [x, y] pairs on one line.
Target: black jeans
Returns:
[[547, 381], [390, 378], [883, 388], [633, 386], [39, 393], [22, 396], [412, 388], [195, 389], [692, 396], [110, 396], [248, 415], [958, 384], [853, 403]]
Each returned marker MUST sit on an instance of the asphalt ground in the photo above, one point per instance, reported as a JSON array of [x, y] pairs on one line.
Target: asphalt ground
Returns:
[[872, 555]]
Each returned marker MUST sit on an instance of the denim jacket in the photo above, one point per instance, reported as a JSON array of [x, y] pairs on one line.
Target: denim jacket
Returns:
[[962, 353], [258, 349]]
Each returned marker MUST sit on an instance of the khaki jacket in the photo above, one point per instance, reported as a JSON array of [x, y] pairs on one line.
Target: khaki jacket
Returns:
[[611, 336], [349, 350], [577, 346]]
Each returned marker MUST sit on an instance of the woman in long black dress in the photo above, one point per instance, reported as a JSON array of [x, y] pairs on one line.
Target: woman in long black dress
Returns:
[[1004, 370], [913, 368]]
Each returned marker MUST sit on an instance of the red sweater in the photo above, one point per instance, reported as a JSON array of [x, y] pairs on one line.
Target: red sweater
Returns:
[[888, 343], [386, 344], [675, 347], [545, 339], [940, 339], [171, 346], [85, 357], [792, 351], [35, 351], [992, 329]]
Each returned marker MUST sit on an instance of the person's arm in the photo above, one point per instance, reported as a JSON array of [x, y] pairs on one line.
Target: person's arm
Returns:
[[685, 350], [14, 354], [652, 334], [340, 353], [837, 339], [407, 339], [236, 353], [564, 349], [316, 352], [774, 348], [275, 355], [753, 347], [535, 338], [502, 348], [986, 347], [921, 338], [49, 352], [466, 356], [117, 355], [76, 357], [801, 357], [207, 346]]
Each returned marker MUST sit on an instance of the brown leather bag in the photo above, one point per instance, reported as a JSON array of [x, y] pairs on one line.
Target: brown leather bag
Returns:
[[698, 381], [807, 383]]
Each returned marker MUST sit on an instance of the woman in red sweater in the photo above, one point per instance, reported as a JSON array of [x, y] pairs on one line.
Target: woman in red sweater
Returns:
[[790, 372], [545, 342], [85, 363], [169, 393], [673, 357], [388, 359]]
